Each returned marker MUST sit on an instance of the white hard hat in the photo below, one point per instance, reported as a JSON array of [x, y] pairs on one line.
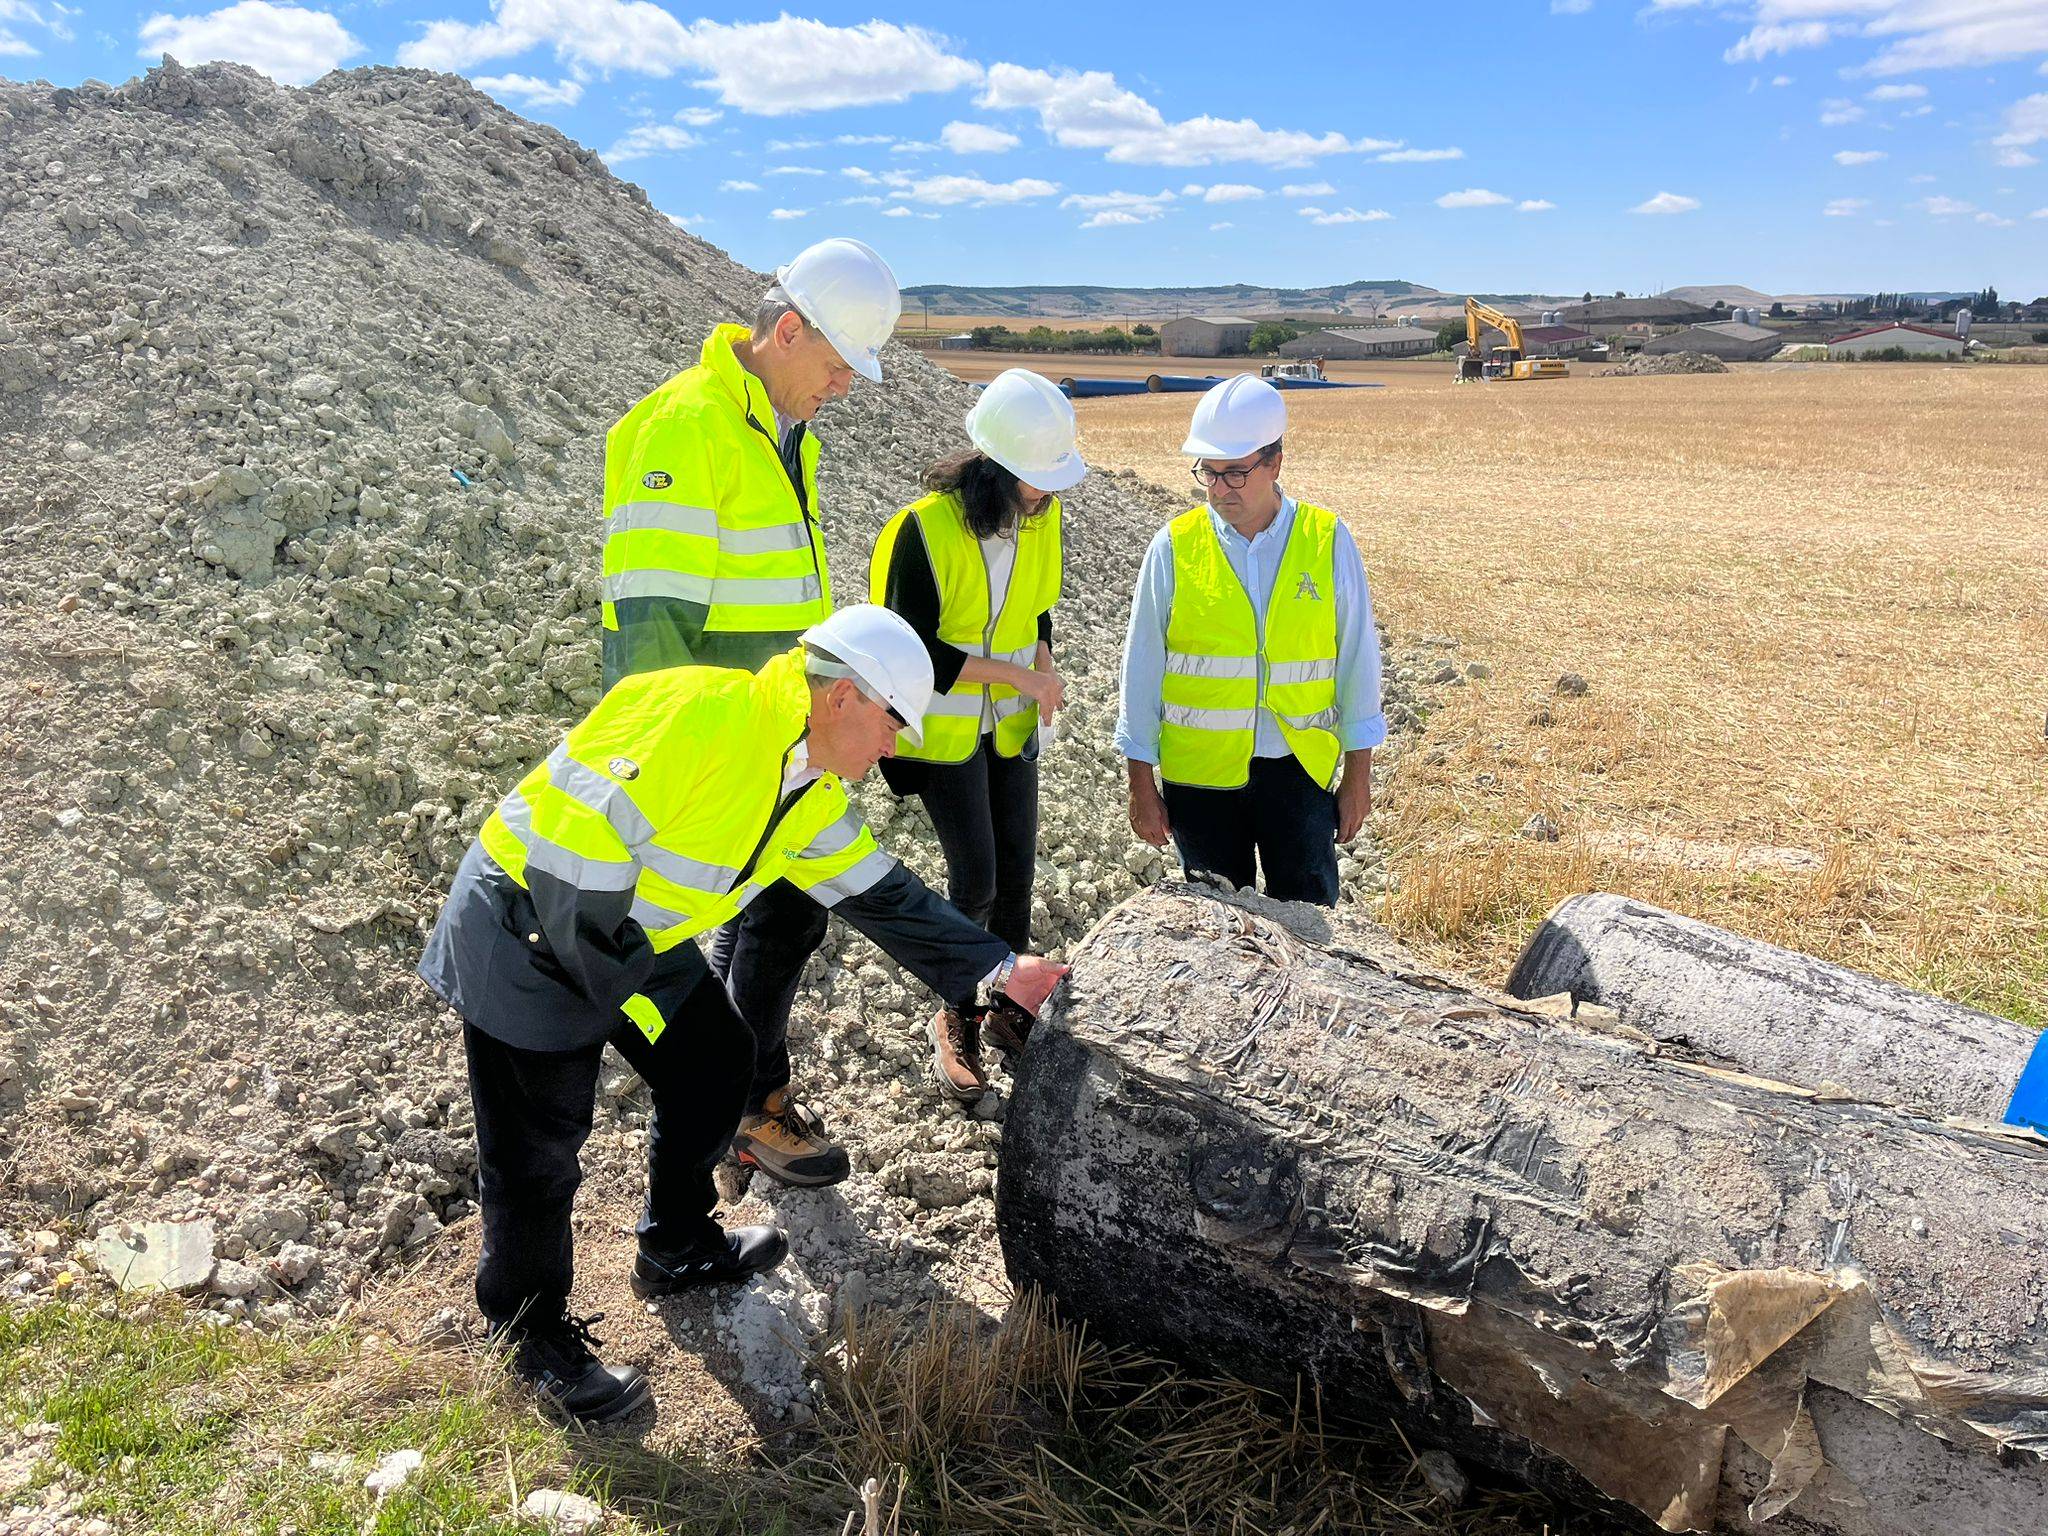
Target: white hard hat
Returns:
[[1235, 419], [1025, 424], [844, 289], [881, 653]]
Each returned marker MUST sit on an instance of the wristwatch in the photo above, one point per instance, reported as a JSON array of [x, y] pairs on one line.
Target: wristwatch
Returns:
[[992, 990]]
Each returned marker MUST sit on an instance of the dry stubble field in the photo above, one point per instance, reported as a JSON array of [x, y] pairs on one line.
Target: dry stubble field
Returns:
[[1812, 608]]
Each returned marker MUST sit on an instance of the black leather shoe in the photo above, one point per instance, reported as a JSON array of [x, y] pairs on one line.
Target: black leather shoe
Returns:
[[745, 1252], [557, 1360]]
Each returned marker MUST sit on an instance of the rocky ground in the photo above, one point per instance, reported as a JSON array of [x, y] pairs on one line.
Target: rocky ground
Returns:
[[1666, 362], [302, 394]]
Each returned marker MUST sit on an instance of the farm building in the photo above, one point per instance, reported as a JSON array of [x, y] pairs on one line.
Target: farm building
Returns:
[[963, 342], [1362, 341], [1205, 336], [1919, 340], [1731, 340], [1556, 341], [1607, 315]]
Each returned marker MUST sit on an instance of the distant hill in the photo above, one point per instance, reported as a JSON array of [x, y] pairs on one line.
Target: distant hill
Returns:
[[1102, 304], [1731, 294]]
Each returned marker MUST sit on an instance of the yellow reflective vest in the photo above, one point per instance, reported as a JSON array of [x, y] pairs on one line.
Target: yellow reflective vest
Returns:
[[1219, 675], [953, 724], [698, 506], [670, 789]]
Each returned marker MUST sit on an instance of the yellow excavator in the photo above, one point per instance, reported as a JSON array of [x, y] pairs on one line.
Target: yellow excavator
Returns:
[[1505, 362]]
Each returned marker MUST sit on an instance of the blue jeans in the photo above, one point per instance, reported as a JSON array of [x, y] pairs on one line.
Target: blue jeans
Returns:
[[1280, 817]]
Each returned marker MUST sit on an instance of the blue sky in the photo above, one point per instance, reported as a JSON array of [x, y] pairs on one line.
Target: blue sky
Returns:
[[1554, 145]]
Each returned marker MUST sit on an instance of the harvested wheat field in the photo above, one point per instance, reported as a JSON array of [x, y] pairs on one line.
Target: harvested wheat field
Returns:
[[1809, 606]]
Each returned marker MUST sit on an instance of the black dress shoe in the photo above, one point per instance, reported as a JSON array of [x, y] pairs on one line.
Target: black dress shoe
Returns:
[[743, 1253], [557, 1360]]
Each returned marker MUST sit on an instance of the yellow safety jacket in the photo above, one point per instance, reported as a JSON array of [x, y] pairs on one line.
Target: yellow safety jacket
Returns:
[[698, 506], [670, 789], [953, 724], [1219, 675]]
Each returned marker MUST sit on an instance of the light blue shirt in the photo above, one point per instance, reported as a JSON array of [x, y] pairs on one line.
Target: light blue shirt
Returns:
[[1360, 722]]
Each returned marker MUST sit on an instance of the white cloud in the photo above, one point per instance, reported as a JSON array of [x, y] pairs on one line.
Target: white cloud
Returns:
[[22, 12], [2026, 122], [1839, 110], [1534, 205], [1419, 156], [900, 212], [1232, 192], [650, 139], [859, 173], [1131, 207], [1896, 93], [1344, 215], [789, 213], [911, 147], [2039, 213], [292, 45], [1781, 80], [977, 139], [1089, 110], [739, 186], [794, 170], [1308, 189], [698, 117], [1570, 7], [1846, 207], [1667, 202], [1226, 224], [1472, 197], [864, 138], [533, 91], [792, 146], [686, 220], [1765, 40], [1945, 207], [1921, 180], [2017, 159], [1858, 156], [945, 191], [1997, 221], [865, 200], [770, 68], [1920, 111]]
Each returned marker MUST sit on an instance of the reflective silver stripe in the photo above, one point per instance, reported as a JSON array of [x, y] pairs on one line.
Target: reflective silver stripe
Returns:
[[1021, 658], [662, 517], [836, 838], [762, 591], [829, 893], [1015, 704], [654, 918], [1188, 664], [967, 705], [1302, 671], [691, 874], [1209, 719], [749, 894], [684, 586], [1321, 720], [774, 539], [552, 858], [592, 790]]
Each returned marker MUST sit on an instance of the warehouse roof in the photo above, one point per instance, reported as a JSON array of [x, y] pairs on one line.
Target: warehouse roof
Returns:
[[1897, 325], [1213, 319], [1741, 330], [1553, 333], [1381, 333]]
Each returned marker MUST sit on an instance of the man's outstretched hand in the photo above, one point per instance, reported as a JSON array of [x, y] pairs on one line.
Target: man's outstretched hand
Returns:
[[1031, 983]]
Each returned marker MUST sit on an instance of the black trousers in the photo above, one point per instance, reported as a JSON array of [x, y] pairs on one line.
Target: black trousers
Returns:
[[760, 957], [985, 812], [533, 1114], [1280, 814]]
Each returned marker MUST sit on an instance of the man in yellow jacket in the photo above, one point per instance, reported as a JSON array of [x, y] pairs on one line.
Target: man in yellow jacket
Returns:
[[714, 555], [683, 798]]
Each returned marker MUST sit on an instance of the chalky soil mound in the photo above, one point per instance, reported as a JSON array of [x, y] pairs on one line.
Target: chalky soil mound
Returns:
[[302, 395]]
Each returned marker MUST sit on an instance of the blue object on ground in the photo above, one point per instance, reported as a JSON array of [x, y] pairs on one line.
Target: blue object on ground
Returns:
[[459, 475], [2029, 1104]]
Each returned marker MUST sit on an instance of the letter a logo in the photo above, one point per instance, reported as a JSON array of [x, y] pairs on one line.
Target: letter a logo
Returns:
[[1307, 588]]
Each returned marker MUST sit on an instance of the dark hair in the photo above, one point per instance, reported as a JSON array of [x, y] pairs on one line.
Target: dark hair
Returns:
[[987, 491]]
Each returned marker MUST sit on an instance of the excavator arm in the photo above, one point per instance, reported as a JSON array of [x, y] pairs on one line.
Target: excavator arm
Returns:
[[1478, 316]]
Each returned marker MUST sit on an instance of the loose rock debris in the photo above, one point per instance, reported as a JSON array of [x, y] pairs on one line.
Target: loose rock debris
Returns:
[[302, 398]]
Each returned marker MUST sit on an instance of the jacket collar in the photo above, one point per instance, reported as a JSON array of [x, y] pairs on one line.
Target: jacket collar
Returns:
[[720, 358], [785, 696]]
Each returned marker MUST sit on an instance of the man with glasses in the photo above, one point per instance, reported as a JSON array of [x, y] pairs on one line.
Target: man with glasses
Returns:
[[1251, 681]]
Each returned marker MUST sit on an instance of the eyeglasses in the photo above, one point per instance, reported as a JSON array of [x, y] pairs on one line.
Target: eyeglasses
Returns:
[[1234, 478]]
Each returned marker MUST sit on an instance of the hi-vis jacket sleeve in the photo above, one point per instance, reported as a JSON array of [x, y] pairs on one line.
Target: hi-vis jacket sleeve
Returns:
[[925, 935], [660, 545]]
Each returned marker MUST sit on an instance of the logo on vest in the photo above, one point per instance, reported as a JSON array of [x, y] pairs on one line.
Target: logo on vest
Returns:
[[624, 768], [657, 480], [1306, 587]]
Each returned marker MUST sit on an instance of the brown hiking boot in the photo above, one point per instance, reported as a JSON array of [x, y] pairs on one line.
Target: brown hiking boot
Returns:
[[1008, 1026], [787, 1142], [956, 1054]]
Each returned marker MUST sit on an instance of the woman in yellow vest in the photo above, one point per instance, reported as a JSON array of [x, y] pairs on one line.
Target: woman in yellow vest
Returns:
[[974, 567]]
